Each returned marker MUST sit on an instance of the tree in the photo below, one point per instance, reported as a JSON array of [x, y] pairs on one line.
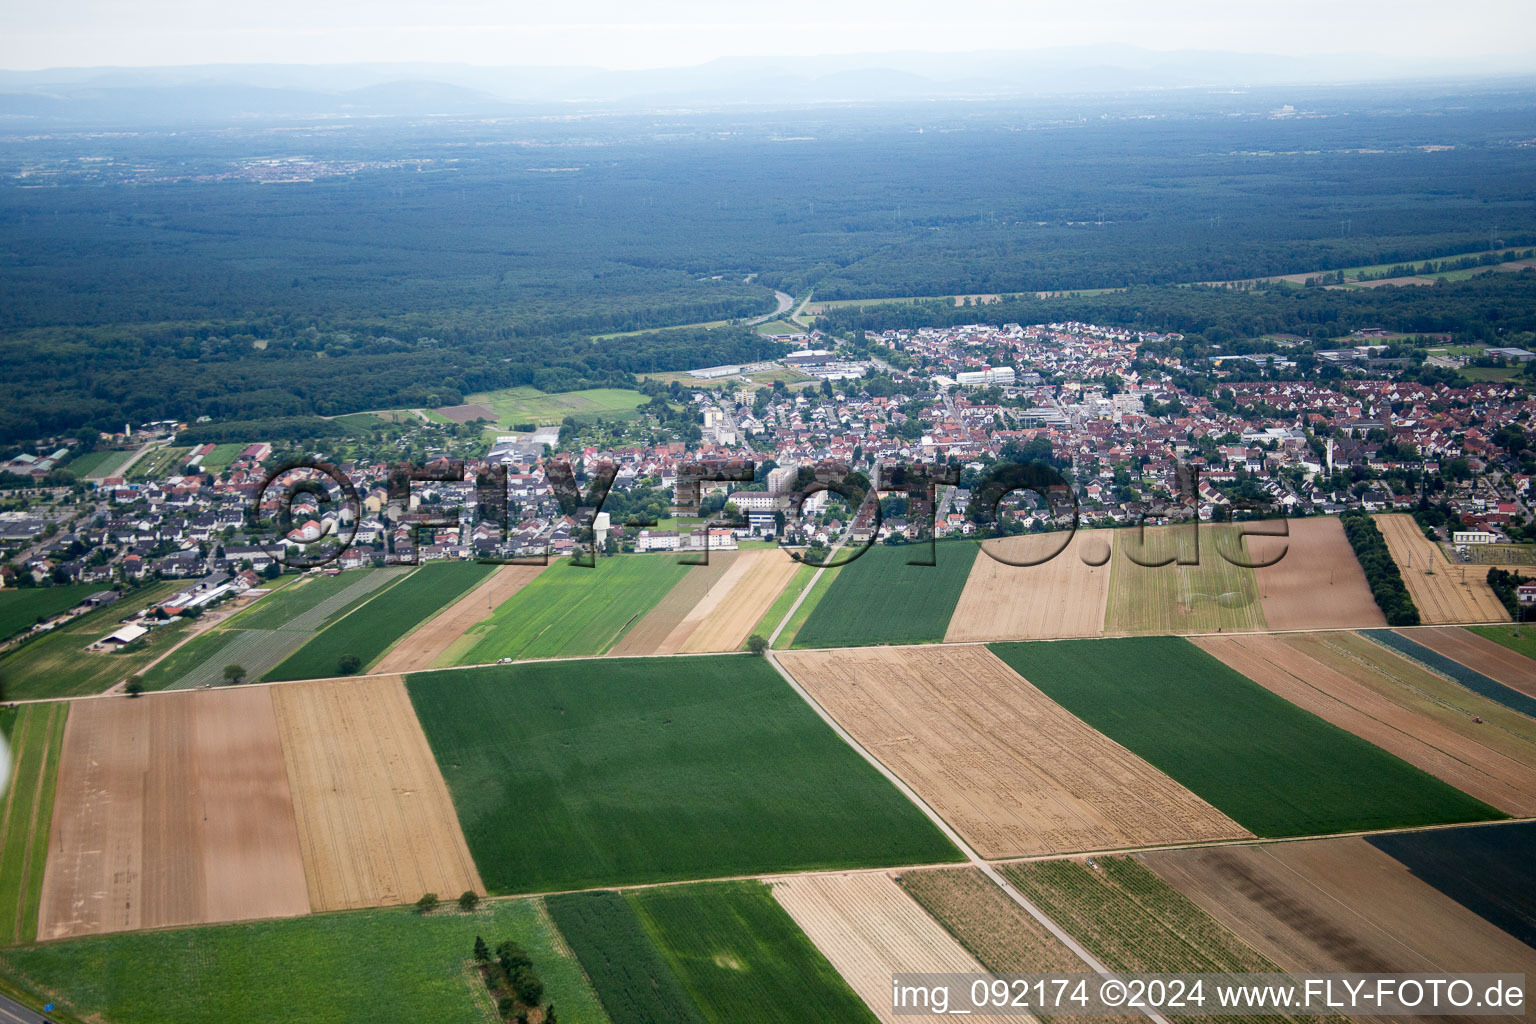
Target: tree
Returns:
[[757, 645], [348, 664], [135, 686], [428, 902], [482, 951], [526, 984], [511, 956], [468, 900], [234, 674]]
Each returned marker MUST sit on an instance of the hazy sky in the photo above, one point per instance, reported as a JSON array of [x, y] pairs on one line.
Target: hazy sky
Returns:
[[656, 33]]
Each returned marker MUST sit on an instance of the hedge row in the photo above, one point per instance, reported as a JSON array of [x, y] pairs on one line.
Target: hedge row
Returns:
[[1381, 571]]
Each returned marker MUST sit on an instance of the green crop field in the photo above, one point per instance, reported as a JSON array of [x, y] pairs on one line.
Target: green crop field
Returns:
[[742, 957], [277, 610], [1211, 595], [812, 598], [633, 982], [93, 462], [574, 774], [36, 732], [20, 609], [359, 422], [57, 664], [1516, 638], [383, 965], [222, 455], [373, 627], [880, 599], [205, 647], [1272, 767], [530, 405], [569, 611]]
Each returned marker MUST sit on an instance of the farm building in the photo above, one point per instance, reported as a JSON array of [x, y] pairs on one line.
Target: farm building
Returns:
[[123, 637]]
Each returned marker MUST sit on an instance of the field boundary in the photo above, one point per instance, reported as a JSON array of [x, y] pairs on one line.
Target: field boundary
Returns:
[[949, 832]]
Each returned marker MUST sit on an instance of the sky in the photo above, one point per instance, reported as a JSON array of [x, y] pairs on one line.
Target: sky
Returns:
[[670, 33]]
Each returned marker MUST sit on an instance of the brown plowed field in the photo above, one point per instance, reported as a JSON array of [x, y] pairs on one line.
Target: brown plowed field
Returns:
[[727, 620], [466, 413], [171, 809], [1012, 770], [1314, 672], [1335, 905], [1061, 597], [422, 648], [1480, 654], [1317, 583], [869, 929], [652, 631], [1449, 593], [376, 824]]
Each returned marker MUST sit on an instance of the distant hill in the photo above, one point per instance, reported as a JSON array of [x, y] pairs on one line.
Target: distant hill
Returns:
[[280, 90]]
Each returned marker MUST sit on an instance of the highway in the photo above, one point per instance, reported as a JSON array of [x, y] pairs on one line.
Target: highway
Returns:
[[12, 1012], [785, 301]]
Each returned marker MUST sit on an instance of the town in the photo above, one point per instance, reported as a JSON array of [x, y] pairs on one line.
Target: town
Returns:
[[1112, 410]]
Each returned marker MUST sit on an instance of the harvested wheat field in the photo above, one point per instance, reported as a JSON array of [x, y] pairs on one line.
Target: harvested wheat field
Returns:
[[869, 929], [1445, 594], [723, 619], [1317, 582], [1331, 905], [172, 809], [425, 647], [1009, 768], [698, 582], [1196, 591], [1063, 596], [375, 822], [1479, 654], [1319, 673]]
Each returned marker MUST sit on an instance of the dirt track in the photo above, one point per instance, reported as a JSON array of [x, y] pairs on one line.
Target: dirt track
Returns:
[[1445, 594], [1317, 583], [1014, 772], [1061, 597], [432, 638], [869, 929], [652, 631], [1480, 654], [172, 809], [728, 620], [375, 821], [1317, 673], [1331, 905]]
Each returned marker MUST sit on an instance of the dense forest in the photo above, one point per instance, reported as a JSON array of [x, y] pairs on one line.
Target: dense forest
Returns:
[[1486, 308], [153, 273]]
